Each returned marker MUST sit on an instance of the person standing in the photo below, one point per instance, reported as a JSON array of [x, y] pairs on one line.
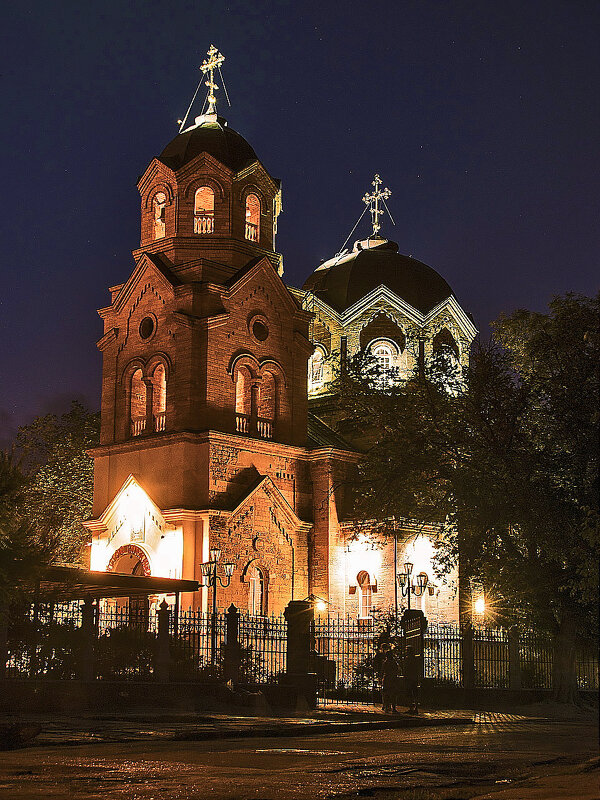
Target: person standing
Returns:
[[412, 675], [390, 682]]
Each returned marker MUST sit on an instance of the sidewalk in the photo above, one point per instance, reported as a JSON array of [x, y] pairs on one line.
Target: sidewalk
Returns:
[[149, 724]]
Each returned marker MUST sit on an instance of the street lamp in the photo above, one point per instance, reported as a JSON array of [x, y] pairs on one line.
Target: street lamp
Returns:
[[211, 579], [409, 586]]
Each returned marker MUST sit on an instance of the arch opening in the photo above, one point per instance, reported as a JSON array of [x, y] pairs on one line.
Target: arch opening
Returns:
[[159, 205], [204, 210], [252, 231]]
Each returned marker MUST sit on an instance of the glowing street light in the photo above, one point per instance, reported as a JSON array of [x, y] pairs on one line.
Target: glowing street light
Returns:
[[211, 579], [409, 586]]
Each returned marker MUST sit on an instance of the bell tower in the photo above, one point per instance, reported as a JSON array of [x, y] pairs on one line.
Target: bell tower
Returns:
[[205, 351]]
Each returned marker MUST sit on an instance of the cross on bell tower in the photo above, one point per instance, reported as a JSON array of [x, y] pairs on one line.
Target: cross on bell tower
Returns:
[[372, 200], [214, 61]]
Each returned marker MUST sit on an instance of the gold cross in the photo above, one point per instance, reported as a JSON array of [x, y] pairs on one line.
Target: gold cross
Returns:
[[373, 199], [214, 61]]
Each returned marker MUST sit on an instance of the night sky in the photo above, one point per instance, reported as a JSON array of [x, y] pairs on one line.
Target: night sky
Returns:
[[482, 118]]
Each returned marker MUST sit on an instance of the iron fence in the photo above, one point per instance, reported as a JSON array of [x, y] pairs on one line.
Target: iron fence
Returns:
[[442, 655], [344, 659], [263, 648], [535, 660], [491, 658], [52, 641], [191, 645]]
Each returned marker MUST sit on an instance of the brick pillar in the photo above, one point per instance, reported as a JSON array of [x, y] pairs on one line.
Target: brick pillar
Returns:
[[149, 403], [300, 616], [254, 401], [232, 644], [514, 659], [87, 653], [162, 661]]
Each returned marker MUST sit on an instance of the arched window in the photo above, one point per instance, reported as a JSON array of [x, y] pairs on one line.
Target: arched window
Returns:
[[315, 368], [159, 205], [444, 342], [382, 351], [204, 210], [257, 595], [365, 594], [138, 403], [159, 398], [252, 218], [243, 399]]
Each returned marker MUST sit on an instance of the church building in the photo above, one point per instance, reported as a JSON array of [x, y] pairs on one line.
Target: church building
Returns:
[[216, 435]]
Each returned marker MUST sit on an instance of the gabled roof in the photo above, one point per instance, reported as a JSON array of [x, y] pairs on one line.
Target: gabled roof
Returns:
[[256, 265], [321, 435], [266, 484]]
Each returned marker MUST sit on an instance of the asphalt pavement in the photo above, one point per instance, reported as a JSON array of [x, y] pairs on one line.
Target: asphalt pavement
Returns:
[[483, 755]]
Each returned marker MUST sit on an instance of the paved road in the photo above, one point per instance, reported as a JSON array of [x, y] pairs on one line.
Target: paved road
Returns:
[[501, 757]]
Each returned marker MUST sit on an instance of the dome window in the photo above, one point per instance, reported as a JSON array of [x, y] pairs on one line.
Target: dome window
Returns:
[[204, 210], [252, 218], [315, 368], [159, 205]]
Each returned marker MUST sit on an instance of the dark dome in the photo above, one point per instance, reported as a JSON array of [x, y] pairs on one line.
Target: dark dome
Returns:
[[343, 281], [214, 137]]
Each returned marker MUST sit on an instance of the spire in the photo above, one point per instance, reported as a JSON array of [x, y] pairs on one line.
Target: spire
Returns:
[[372, 200], [214, 61]]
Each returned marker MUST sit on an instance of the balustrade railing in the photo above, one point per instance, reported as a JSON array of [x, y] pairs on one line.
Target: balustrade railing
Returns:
[[204, 223], [252, 232], [264, 428], [242, 423], [160, 421], [138, 425]]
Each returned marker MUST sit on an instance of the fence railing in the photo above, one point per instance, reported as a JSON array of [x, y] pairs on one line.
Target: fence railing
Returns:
[[128, 641]]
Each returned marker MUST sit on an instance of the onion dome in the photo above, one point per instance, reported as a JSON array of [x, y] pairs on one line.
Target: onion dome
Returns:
[[345, 279], [210, 134]]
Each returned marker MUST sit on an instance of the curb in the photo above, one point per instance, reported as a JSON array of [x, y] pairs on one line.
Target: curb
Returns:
[[317, 728]]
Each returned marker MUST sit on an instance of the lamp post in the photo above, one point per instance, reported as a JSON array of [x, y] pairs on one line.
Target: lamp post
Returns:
[[211, 579], [409, 586]]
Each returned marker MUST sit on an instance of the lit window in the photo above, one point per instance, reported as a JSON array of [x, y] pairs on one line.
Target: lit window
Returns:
[[138, 403], [158, 208], [159, 398], [252, 218], [204, 210], [383, 353], [315, 368], [256, 592], [365, 596]]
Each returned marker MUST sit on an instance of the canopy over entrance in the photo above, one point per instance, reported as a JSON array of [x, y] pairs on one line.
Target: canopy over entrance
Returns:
[[75, 583]]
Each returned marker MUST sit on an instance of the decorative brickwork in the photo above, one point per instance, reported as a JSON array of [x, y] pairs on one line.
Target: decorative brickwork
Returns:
[[130, 550]]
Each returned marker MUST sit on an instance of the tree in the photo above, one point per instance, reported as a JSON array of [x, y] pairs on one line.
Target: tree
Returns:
[[60, 476], [507, 465], [24, 548]]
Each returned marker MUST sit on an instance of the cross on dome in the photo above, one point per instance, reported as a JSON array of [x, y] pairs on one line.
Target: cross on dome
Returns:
[[372, 200], [214, 61]]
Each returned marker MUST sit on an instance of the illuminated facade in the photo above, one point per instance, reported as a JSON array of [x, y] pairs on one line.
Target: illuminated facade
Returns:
[[209, 362]]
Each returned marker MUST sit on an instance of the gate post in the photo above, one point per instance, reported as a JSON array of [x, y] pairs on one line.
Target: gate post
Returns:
[[232, 644], [88, 633], [162, 662], [300, 617], [468, 655], [514, 660]]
